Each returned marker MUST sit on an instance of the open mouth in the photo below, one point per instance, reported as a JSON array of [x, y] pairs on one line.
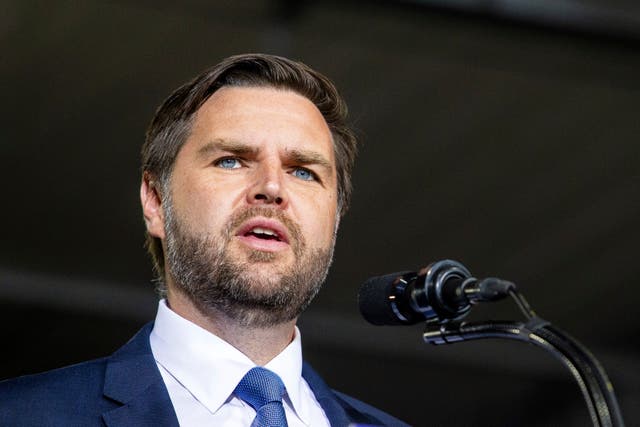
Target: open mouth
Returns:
[[264, 234]]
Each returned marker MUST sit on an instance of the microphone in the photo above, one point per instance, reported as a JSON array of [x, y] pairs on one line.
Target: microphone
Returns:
[[442, 292]]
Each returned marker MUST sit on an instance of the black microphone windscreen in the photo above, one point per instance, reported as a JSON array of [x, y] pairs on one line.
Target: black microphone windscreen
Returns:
[[373, 300]]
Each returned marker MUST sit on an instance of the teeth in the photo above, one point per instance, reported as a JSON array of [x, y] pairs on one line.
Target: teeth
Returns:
[[259, 230]]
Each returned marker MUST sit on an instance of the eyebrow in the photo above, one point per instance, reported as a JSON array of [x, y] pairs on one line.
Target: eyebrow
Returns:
[[234, 147], [308, 157]]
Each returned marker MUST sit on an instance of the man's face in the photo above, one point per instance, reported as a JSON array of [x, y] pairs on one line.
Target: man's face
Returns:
[[251, 213]]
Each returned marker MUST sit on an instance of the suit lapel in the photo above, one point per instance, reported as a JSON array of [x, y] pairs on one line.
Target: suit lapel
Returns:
[[133, 380], [339, 412]]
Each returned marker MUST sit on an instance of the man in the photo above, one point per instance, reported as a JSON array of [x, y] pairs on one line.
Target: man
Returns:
[[246, 173]]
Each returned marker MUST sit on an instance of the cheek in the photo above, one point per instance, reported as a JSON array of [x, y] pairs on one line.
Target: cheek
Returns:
[[202, 206], [322, 221]]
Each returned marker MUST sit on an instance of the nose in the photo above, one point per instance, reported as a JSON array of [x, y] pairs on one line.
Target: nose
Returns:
[[268, 187]]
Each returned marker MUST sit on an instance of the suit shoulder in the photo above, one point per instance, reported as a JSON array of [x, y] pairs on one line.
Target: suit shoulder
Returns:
[[67, 393], [80, 376], [365, 408]]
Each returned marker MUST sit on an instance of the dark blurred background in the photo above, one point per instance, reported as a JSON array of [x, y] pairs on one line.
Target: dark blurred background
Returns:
[[502, 134]]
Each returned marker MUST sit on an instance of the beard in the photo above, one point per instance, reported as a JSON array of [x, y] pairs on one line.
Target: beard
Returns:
[[248, 289]]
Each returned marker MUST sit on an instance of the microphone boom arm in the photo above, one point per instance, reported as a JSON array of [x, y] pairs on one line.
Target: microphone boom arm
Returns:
[[592, 380]]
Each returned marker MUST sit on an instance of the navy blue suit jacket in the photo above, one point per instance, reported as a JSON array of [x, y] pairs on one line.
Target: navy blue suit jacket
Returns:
[[127, 390]]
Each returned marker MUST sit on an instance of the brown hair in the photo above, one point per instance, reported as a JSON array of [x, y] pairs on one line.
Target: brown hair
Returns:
[[170, 127]]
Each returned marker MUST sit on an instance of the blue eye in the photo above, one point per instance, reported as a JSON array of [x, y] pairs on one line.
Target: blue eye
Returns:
[[228, 163], [304, 174]]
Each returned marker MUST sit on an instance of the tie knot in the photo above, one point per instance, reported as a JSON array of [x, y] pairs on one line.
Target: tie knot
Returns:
[[259, 387]]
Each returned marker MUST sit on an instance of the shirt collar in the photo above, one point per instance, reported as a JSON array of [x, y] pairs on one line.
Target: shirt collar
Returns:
[[288, 366], [210, 368]]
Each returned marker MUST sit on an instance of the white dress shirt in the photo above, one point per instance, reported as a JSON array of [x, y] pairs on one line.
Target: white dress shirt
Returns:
[[201, 371]]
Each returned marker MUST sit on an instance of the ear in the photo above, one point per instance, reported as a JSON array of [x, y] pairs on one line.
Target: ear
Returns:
[[152, 206]]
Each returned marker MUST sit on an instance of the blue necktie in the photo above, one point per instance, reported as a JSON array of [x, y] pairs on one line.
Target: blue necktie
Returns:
[[263, 390]]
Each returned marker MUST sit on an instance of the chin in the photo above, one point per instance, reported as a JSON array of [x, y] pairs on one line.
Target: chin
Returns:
[[254, 256]]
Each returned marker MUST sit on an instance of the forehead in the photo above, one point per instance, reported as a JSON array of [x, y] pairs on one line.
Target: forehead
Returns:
[[259, 115]]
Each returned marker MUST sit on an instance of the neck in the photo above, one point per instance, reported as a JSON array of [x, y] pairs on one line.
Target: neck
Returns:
[[258, 344]]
